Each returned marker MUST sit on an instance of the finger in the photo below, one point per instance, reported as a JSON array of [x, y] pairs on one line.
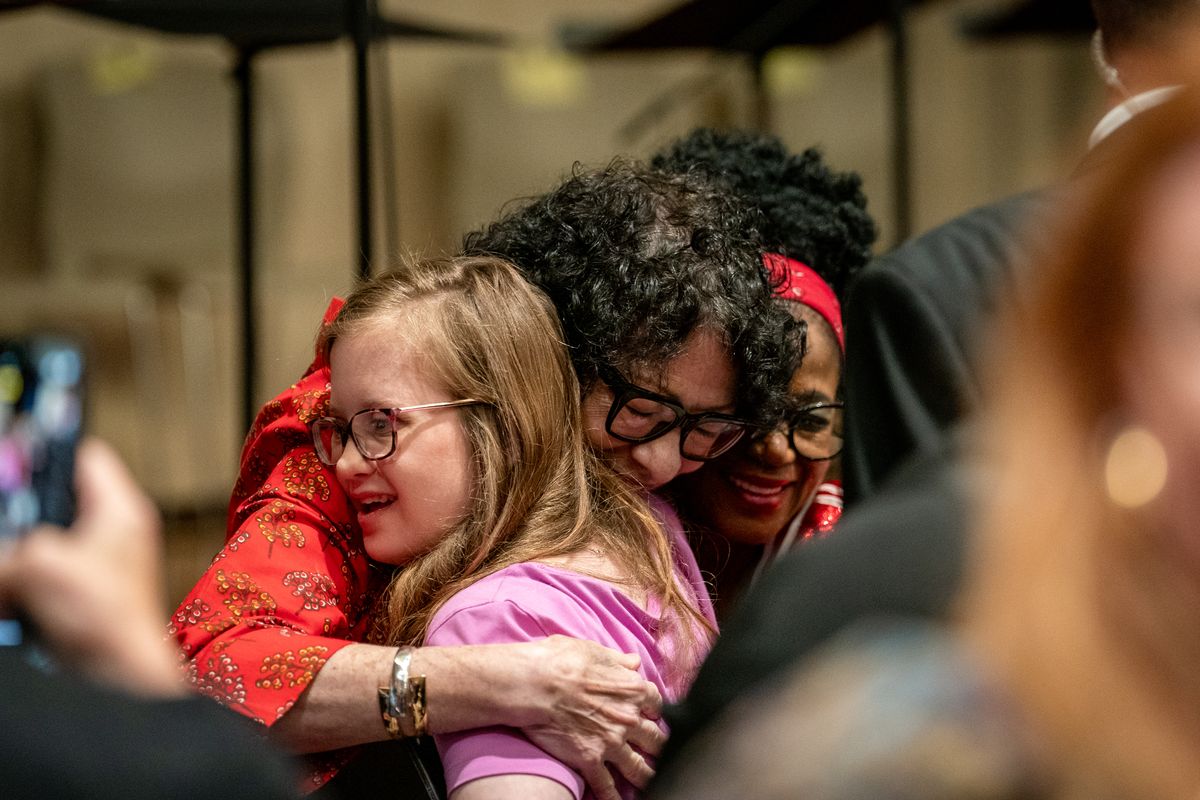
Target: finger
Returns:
[[9, 573], [647, 737], [31, 571], [102, 481], [109, 497], [629, 660], [97, 474], [652, 702], [633, 767], [601, 782], [44, 558]]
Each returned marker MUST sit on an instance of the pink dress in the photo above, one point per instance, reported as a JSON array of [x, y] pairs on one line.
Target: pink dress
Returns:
[[531, 601]]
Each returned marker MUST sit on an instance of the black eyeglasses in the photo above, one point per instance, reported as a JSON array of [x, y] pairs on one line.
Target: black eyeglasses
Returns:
[[639, 415], [372, 429], [814, 431]]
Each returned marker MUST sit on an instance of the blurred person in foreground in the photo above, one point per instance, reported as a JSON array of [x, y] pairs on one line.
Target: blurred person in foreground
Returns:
[[111, 716], [1067, 669]]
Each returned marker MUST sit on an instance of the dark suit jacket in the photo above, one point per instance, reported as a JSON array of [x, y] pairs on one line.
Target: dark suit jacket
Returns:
[[912, 318], [61, 736]]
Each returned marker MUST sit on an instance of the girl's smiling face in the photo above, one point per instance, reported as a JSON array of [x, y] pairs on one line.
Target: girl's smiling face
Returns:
[[407, 502]]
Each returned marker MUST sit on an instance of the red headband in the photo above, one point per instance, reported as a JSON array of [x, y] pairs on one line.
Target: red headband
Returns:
[[801, 284]]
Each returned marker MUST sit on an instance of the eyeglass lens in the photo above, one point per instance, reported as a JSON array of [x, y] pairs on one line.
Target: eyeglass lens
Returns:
[[373, 431], [710, 439], [641, 419], [816, 431]]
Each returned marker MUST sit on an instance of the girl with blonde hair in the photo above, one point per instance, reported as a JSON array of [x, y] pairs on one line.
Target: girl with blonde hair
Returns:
[[455, 429]]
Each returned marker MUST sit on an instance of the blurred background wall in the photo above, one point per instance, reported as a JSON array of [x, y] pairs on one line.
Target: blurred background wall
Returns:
[[117, 211]]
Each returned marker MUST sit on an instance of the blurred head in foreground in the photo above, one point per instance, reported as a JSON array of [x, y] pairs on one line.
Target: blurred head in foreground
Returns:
[[1086, 585]]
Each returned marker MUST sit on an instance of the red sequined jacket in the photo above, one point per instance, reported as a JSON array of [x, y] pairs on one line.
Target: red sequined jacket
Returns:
[[291, 586]]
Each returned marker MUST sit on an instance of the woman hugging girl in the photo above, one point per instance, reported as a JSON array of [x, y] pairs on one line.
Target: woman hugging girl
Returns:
[[455, 429]]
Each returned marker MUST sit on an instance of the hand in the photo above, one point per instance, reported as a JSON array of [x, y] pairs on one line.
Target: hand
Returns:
[[95, 591], [595, 710]]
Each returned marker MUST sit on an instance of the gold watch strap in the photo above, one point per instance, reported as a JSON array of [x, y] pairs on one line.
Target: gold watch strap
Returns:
[[420, 714], [390, 724]]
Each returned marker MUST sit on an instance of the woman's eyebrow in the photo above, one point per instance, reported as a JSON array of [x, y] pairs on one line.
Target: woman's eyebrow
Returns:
[[723, 408], [810, 396], [658, 387]]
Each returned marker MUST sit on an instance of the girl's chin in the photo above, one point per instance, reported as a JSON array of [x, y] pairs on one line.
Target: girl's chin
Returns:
[[389, 557], [376, 546]]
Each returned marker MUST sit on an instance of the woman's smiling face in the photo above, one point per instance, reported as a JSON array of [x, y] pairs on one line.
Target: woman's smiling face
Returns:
[[701, 379], [750, 494]]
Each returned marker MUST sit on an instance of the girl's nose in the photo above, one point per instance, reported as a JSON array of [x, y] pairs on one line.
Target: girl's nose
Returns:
[[351, 462]]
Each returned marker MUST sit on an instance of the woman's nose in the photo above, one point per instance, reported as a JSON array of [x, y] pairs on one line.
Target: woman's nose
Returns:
[[659, 461], [774, 449]]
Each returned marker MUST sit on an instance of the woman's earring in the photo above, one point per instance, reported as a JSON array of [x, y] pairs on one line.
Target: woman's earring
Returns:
[[1135, 467], [1108, 73]]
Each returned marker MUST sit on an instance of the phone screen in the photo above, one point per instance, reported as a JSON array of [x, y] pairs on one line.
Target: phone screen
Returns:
[[41, 419]]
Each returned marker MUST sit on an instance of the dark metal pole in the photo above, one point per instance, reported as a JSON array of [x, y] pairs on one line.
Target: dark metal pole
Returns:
[[244, 74], [362, 17], [901, 161], [762, 101]]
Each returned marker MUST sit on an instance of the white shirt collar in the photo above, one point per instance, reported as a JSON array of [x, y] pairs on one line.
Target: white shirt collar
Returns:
[[1128, 110]]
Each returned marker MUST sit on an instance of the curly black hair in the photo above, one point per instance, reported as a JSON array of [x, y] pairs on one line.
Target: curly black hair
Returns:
[[812, 214], [636, 260]]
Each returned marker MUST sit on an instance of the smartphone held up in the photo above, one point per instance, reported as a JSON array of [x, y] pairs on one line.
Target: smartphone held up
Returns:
[[41, 420]]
